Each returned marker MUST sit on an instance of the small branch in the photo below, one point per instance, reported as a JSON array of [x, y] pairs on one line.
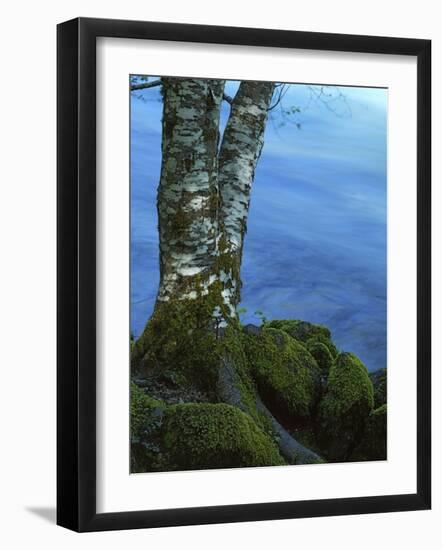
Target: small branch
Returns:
[[145, 85], [228, 98], [281, 93]]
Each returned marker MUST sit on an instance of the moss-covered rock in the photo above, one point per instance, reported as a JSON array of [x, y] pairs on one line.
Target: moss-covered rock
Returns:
[[286, 374], [203, 436], [146, 416], [213, 396], [141, 408], [322, 339], [300, 330], [344, 410], [321, 354], [308, 333], [379, 381], [373, 445], [235, 382]]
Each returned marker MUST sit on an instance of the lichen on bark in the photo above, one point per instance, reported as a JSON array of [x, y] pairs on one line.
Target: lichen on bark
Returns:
[[203, 198], [240, 150], [187, 219]]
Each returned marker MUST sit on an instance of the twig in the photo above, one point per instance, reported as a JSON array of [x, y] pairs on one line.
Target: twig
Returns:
[[145, 85]]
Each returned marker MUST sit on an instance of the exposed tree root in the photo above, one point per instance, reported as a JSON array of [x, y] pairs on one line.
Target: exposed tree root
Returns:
[[291, 449], [229, 391]]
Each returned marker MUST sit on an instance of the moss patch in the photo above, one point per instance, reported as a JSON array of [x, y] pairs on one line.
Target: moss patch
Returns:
[[180, 344], [379, 380], [322, 339], [321, 354], [141, 408], [286, 373], [374, 441], [202, 436], [307, 333], [300, 330], [146, 416], [345, 408], [191, 368], [233, 347]]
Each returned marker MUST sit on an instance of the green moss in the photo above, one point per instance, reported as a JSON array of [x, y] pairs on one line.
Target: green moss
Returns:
[[141, 408], [202, 436], [379, 380], [373, 445], [345, 408], [321, 353], [180, 343], [311, 335], [145, 423], [322, 339], [234, 354], [300, 330], [286, 373]]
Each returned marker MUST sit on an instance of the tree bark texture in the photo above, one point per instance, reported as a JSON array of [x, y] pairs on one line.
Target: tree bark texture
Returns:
[[204, 190], [241, 148], [188, 189]]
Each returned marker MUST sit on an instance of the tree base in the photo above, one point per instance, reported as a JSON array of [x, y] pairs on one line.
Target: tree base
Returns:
[[275, 395]]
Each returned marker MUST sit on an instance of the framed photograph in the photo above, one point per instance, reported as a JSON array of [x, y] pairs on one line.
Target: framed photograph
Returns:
[[243, 274]]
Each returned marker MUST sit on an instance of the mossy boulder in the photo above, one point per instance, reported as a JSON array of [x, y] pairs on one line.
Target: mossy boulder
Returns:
[[146, 416], [202, 435], [307, 333], [286, 374], [379, 381], [326, 341], [210, 393], [373, 445], [300, 330], [322, 355], [235, 384], [345, 408]]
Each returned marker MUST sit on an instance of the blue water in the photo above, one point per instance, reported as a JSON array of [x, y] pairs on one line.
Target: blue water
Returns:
[[316, 242]]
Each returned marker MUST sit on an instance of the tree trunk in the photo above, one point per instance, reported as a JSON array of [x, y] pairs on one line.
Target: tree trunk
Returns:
[[203, 202], [187, 204], [188, 190], [240, 151]]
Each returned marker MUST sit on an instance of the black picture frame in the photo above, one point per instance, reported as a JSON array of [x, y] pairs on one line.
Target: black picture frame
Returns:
[[76, 274]]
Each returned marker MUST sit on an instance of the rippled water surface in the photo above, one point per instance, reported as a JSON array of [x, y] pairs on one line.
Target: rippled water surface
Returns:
[[316, 242]]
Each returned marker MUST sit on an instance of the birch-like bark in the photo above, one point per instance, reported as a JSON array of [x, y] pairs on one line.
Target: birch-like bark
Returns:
[[240, 151], [188, 194]]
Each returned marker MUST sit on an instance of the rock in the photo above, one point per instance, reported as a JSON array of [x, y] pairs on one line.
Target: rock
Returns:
[[146, 416], [379, 381], [205, 435], [287, 375], [300, 330], [374, 442], [345, 408], [322, 355], [253, 330], [251, 394]]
